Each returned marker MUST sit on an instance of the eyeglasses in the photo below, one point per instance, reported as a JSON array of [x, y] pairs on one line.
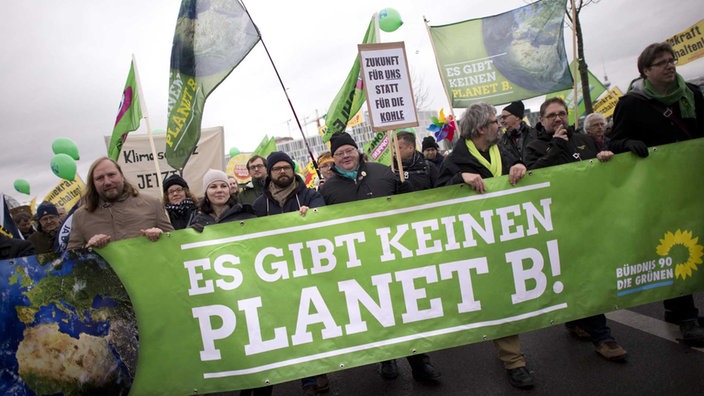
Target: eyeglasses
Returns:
[[177, 190], [278, 169], [665, 62], [504, 116], [257, 166], [493, 122], [340, 154], [561, 114]]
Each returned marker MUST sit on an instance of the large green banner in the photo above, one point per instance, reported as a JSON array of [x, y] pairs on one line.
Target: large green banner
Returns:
[[277, 298], [511, 56]]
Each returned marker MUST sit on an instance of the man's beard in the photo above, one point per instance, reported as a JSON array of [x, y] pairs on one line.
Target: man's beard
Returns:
[[113, 195], [282, 181]]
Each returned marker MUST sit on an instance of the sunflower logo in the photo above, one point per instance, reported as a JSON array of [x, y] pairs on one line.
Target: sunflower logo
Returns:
[[682, 240]]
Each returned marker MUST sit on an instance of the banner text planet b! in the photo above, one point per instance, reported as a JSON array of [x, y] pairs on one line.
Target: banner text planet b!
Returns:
[[273, 264]]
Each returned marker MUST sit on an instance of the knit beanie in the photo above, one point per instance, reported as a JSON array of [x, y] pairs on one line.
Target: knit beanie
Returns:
[[516, 108], [213, 175], [46, 208], [277, 156], [174, 180], [340, 139], [429, 142]]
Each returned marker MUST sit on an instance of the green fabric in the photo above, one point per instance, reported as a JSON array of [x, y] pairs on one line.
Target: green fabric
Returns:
[[494, 165], [128, 117], [679, 93]]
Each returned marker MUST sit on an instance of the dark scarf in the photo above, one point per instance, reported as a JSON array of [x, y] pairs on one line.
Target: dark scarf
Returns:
[[181, 208]]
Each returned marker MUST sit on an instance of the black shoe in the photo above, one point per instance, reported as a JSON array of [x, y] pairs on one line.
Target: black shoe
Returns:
[[424, 371], [692, 333], [389, 369], [520, 378]]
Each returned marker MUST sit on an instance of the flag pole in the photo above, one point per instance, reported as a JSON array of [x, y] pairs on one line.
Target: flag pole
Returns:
[[145, 115], [283, 88], [444, 83], [574, 67]]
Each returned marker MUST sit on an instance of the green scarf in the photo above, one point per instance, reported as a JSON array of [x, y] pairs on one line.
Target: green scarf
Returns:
[[680, 93], [495, 165]]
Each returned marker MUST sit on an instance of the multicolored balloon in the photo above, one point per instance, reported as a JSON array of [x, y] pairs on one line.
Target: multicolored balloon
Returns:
[[22, 185], [389, 20], [66, 146], [64, 166]]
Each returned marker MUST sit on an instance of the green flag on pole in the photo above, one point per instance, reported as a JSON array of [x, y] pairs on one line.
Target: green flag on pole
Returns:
[[596, 88], [266, 146], [211, 39], [128, 117], [351, 96]]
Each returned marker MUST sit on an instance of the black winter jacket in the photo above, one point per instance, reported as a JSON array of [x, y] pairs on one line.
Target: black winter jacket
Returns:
[[638, 117], [373, 180], [419, 172], [460, 160], [548, 151], [266, 205]]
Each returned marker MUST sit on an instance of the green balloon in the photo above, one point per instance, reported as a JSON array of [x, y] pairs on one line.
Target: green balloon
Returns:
[[22, 185], [389, 20], [234, 152], [65, 146], [64, 166]]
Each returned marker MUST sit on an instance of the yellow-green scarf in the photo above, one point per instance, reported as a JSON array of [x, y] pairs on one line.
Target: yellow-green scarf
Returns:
[[495, 165]]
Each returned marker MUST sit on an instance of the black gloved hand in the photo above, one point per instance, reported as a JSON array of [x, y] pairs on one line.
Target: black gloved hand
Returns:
[[637, 147], [198, 227]]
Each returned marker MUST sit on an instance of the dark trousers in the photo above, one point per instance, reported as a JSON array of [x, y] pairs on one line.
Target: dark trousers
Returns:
[[595, 326], [680, 308]]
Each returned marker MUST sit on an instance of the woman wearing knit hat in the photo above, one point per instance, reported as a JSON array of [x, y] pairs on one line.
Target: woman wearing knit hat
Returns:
[[48, 223], [179, 202], [217, 205]]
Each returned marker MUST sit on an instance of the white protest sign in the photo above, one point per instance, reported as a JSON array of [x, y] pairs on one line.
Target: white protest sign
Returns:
[[388, 86]]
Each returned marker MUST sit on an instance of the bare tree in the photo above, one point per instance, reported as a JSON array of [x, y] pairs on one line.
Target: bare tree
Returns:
[[421, 94], [582, 63]]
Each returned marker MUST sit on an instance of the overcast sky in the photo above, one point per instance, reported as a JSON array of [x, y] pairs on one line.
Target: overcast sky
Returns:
[[65, 63]]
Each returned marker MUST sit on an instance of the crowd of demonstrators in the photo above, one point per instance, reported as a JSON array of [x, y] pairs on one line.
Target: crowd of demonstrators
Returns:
[[112, 210], [23, 220], [179, 202], [256, 166], [476, 156], [48, 221], [661, 108], [285, 191], [354, 180], [430, 149], [517, 134], [595, 127], [418, 171]]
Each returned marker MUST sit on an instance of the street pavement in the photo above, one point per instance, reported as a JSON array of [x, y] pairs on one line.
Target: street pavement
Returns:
[[562, 365]]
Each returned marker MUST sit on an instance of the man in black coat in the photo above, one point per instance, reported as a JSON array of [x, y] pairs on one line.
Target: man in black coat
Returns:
[[518, 134], [557, 142], [354, 180], [419, 172], [661, 108]]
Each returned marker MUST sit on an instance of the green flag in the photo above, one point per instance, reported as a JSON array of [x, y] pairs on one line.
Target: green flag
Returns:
[[211, 39], [266, 146], [351, 96], [128, 117], [596, 88], [511, 56]]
